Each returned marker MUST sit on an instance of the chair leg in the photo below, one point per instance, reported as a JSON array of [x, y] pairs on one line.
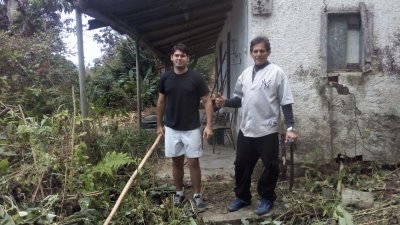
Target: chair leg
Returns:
[[226, 134], [232, 140]]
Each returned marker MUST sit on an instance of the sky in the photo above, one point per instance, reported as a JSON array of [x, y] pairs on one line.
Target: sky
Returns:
[[91, 48]]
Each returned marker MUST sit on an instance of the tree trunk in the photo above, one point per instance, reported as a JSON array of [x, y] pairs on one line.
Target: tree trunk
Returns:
[[12, 11], [19, 20]]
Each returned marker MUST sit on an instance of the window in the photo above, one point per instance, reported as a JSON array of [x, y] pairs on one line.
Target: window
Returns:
[[343, 45], [346, 40]]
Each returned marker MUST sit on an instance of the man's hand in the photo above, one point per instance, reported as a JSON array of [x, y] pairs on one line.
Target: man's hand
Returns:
[[208, 132], [219, 100], [291, 136], [160, 130]]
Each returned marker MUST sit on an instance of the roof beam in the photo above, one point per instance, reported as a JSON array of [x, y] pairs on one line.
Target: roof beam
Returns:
[[172, 8], [115, 23], [188, 33], [177, 28], [140, 6], [192, 15], [198, 45], [208, 34]]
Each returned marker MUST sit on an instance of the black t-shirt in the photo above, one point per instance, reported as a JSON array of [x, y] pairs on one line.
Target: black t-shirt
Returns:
[[183, 93]]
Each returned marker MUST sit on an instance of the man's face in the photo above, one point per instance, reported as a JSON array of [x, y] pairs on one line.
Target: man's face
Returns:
[[259, 54], [179, 59]]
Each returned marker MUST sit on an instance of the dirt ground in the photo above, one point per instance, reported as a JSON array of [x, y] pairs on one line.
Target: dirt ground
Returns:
[[313, 191], [217, 184]]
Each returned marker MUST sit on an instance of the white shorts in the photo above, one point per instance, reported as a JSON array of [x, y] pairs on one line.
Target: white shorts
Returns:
[[179, 143]]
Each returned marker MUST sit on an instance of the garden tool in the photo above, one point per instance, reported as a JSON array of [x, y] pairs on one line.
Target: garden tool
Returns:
[[283, 152], [130, 181], [293, 147]]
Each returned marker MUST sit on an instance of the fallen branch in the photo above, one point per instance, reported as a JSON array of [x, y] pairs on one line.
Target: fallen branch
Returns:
[[374, 210], [394, 190], [374, 222], [3, 112], [38, 186], [76, 196]]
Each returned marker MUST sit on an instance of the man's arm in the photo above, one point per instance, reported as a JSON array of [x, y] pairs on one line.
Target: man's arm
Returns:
[[208, 131], [160, 112], [288, 115], [289, 122], [235, 102]]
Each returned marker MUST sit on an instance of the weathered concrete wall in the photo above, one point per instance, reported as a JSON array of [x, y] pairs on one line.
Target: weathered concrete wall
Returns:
[[366, 121], [237, 24]]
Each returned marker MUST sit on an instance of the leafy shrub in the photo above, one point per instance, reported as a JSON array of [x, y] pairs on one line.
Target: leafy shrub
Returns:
[[34, 74]]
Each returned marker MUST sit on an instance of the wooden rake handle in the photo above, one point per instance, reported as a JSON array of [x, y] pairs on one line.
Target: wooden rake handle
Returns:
[[128, 185]]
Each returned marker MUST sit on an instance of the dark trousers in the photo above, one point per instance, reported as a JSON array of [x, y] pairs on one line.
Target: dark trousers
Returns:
[[249, 150]]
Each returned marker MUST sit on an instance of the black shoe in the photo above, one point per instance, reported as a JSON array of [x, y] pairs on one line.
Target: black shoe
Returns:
[[237, 204]]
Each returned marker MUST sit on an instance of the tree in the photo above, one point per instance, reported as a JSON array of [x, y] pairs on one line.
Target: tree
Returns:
[[3, 17], [28, 17], [112, 83], [33, 71]]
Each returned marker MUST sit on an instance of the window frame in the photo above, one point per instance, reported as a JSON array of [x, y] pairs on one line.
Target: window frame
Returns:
[[365, 33]]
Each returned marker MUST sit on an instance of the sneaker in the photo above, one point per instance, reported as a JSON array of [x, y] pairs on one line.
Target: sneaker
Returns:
[[178, 199], [237, 204], [198, 201], [264, 207]]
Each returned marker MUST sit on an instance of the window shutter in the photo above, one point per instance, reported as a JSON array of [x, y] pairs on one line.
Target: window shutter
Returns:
[[366, 38], [337, 45]]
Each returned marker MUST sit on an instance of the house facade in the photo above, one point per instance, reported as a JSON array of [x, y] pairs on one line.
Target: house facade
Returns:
[[343, 61]]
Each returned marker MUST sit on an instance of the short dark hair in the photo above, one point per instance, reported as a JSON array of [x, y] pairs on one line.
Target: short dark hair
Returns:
[[258, 40], [181, 47]]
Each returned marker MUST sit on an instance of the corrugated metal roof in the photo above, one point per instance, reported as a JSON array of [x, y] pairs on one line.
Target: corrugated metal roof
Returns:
[[161, 23]]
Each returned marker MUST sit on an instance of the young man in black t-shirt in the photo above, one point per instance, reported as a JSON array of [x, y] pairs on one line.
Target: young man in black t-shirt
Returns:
[[178, 104]]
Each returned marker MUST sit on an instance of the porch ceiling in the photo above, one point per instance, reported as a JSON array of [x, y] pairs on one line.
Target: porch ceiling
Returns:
[[161, 23]]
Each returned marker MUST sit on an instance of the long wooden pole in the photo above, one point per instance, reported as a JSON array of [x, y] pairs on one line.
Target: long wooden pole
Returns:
[[128, 185]]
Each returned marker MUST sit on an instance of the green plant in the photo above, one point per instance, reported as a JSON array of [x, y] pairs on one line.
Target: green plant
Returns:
[[111, 163], [34, 74], [11, 214], [204, 65]]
